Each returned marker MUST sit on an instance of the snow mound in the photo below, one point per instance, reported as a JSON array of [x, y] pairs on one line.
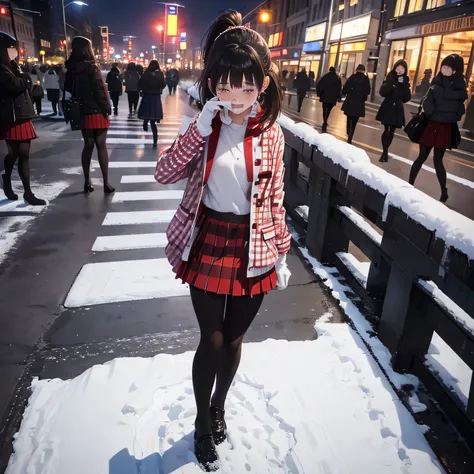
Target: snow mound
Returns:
[[315, 406]]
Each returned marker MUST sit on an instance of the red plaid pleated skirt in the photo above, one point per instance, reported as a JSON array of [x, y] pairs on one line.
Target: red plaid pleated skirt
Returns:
[[437, 135], [219, 257], [19, 131], [95, 121]]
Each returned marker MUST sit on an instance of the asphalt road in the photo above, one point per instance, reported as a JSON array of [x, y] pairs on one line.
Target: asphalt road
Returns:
[[459, 163], [64, 309]]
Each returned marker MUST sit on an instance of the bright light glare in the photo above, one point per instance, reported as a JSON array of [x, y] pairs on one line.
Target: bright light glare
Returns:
[[82, 4]]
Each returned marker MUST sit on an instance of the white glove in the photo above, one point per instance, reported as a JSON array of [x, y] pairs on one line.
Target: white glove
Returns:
[[204, 122], [400, 79], [283, 272]]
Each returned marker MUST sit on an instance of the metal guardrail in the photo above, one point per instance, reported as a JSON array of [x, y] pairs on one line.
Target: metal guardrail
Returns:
[[403, 254]]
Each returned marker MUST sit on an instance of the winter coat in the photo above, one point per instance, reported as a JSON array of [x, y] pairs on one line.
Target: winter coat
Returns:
[[131, 78], [445, 100], [329, 88], [15, 100], [356, 90], [172, 77], [84, 80], [302, 82], [37, 92], [186, 159], [152, 82], [396, 93], [114, 81], [51, 80]]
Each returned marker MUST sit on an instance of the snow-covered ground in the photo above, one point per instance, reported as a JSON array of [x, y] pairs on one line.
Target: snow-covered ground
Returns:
[[296, 407]]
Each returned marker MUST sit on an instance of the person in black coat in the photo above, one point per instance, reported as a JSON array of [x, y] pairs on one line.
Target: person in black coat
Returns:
[[152, 84], [303, 84], [396, 92], [444, 108], [172, 79], [329, 92], [16, 112], [84, 82], [115, 84], [131, 79], [356, 90]]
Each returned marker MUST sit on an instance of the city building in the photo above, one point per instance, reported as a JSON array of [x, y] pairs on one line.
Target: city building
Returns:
[[25, 32]]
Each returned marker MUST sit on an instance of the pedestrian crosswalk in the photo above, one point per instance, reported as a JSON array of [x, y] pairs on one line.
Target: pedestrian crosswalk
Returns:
[[134, 225]]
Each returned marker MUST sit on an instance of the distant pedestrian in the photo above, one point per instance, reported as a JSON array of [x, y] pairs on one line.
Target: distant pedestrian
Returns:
[[329, 92], [396, 92], [84, 81], [303, 84], [424, 85], [115, 84], [37, 94], [152, 84], [312, 80], [51, 84], [356, 90], [59, 69], [444, 108], [291, 85], [172, 80], [131, 79], [285, 82], [16, 128], [213, 246], [140, 69]]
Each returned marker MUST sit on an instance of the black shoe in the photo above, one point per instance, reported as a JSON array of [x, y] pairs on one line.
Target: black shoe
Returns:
[[145, 126], [7, 188], [444, 195], [88, 188], [108, 189], [115, 111], [384, 158], [324, 128], [206, 454], [155, 146], [31, 199], [219, 426]]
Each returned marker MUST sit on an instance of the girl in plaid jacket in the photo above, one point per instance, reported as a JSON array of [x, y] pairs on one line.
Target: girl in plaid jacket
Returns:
[[228, 239]]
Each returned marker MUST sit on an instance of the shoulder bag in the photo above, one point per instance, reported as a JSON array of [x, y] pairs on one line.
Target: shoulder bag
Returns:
[[72, 108], [415, 127]]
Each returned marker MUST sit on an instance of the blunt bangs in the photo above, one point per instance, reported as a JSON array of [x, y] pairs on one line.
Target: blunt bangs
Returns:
[[239, 66]]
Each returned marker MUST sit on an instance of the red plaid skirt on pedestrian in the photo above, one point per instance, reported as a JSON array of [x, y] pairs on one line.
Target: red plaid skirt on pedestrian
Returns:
[[18, 131], [219, 257], [95, 121]]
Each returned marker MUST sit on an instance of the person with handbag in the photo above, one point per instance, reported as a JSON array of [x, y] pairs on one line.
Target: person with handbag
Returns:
[[228, 239], [356, 90], [443, 108], [84, 82], [396, 92], [115, 84], [329, 92], [152, 84], [16, 112]]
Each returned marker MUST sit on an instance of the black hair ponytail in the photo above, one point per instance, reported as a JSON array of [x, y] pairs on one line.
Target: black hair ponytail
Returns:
[[225, 20], [237, 55]]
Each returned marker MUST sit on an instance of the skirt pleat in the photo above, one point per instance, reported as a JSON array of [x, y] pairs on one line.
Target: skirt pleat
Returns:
[[437, 135], [95, 121], [18, 131], [219, 259]]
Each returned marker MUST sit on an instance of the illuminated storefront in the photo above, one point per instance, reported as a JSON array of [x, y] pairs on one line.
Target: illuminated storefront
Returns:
[[312, 48]]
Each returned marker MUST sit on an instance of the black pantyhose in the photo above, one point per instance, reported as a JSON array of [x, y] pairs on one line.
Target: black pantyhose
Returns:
[[98, 138]]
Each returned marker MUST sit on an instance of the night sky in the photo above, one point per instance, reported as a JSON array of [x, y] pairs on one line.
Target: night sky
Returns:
[[140, 17]]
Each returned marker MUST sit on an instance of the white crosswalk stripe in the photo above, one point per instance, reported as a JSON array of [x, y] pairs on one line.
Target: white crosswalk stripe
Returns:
[[143, 278]]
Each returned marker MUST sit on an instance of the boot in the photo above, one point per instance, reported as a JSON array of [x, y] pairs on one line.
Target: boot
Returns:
[[145, 125], [108, 189], [206, 454], [324, 128], [7, 188], [115, 111], [349, 138], [31, 199], [219, 426], [444, 195], [384, 157]]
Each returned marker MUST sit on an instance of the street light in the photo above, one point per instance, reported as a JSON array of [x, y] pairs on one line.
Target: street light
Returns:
[[79, 3], [265, 16], [161, 29]]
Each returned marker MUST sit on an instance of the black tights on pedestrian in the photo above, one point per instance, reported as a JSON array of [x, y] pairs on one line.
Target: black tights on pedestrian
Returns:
[[326, 112], [19, 150], [387, 137], [98, 138], [223, 321], [350, 127], [133, 98], [438, 164]]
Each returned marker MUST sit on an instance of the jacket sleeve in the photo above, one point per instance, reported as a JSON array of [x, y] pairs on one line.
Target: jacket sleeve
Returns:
[[429, 105], [173, 163], [99, 91], [162, 81], [12, 82], [406, 95], [347, 86], [320, 87], [455, 94], [367, 87], [387, 88], [282, 235]]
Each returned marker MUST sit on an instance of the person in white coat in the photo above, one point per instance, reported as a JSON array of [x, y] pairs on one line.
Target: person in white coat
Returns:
[[51, 84]]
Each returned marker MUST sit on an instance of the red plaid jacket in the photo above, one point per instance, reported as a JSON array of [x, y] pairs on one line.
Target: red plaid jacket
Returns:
[[185, 159]]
